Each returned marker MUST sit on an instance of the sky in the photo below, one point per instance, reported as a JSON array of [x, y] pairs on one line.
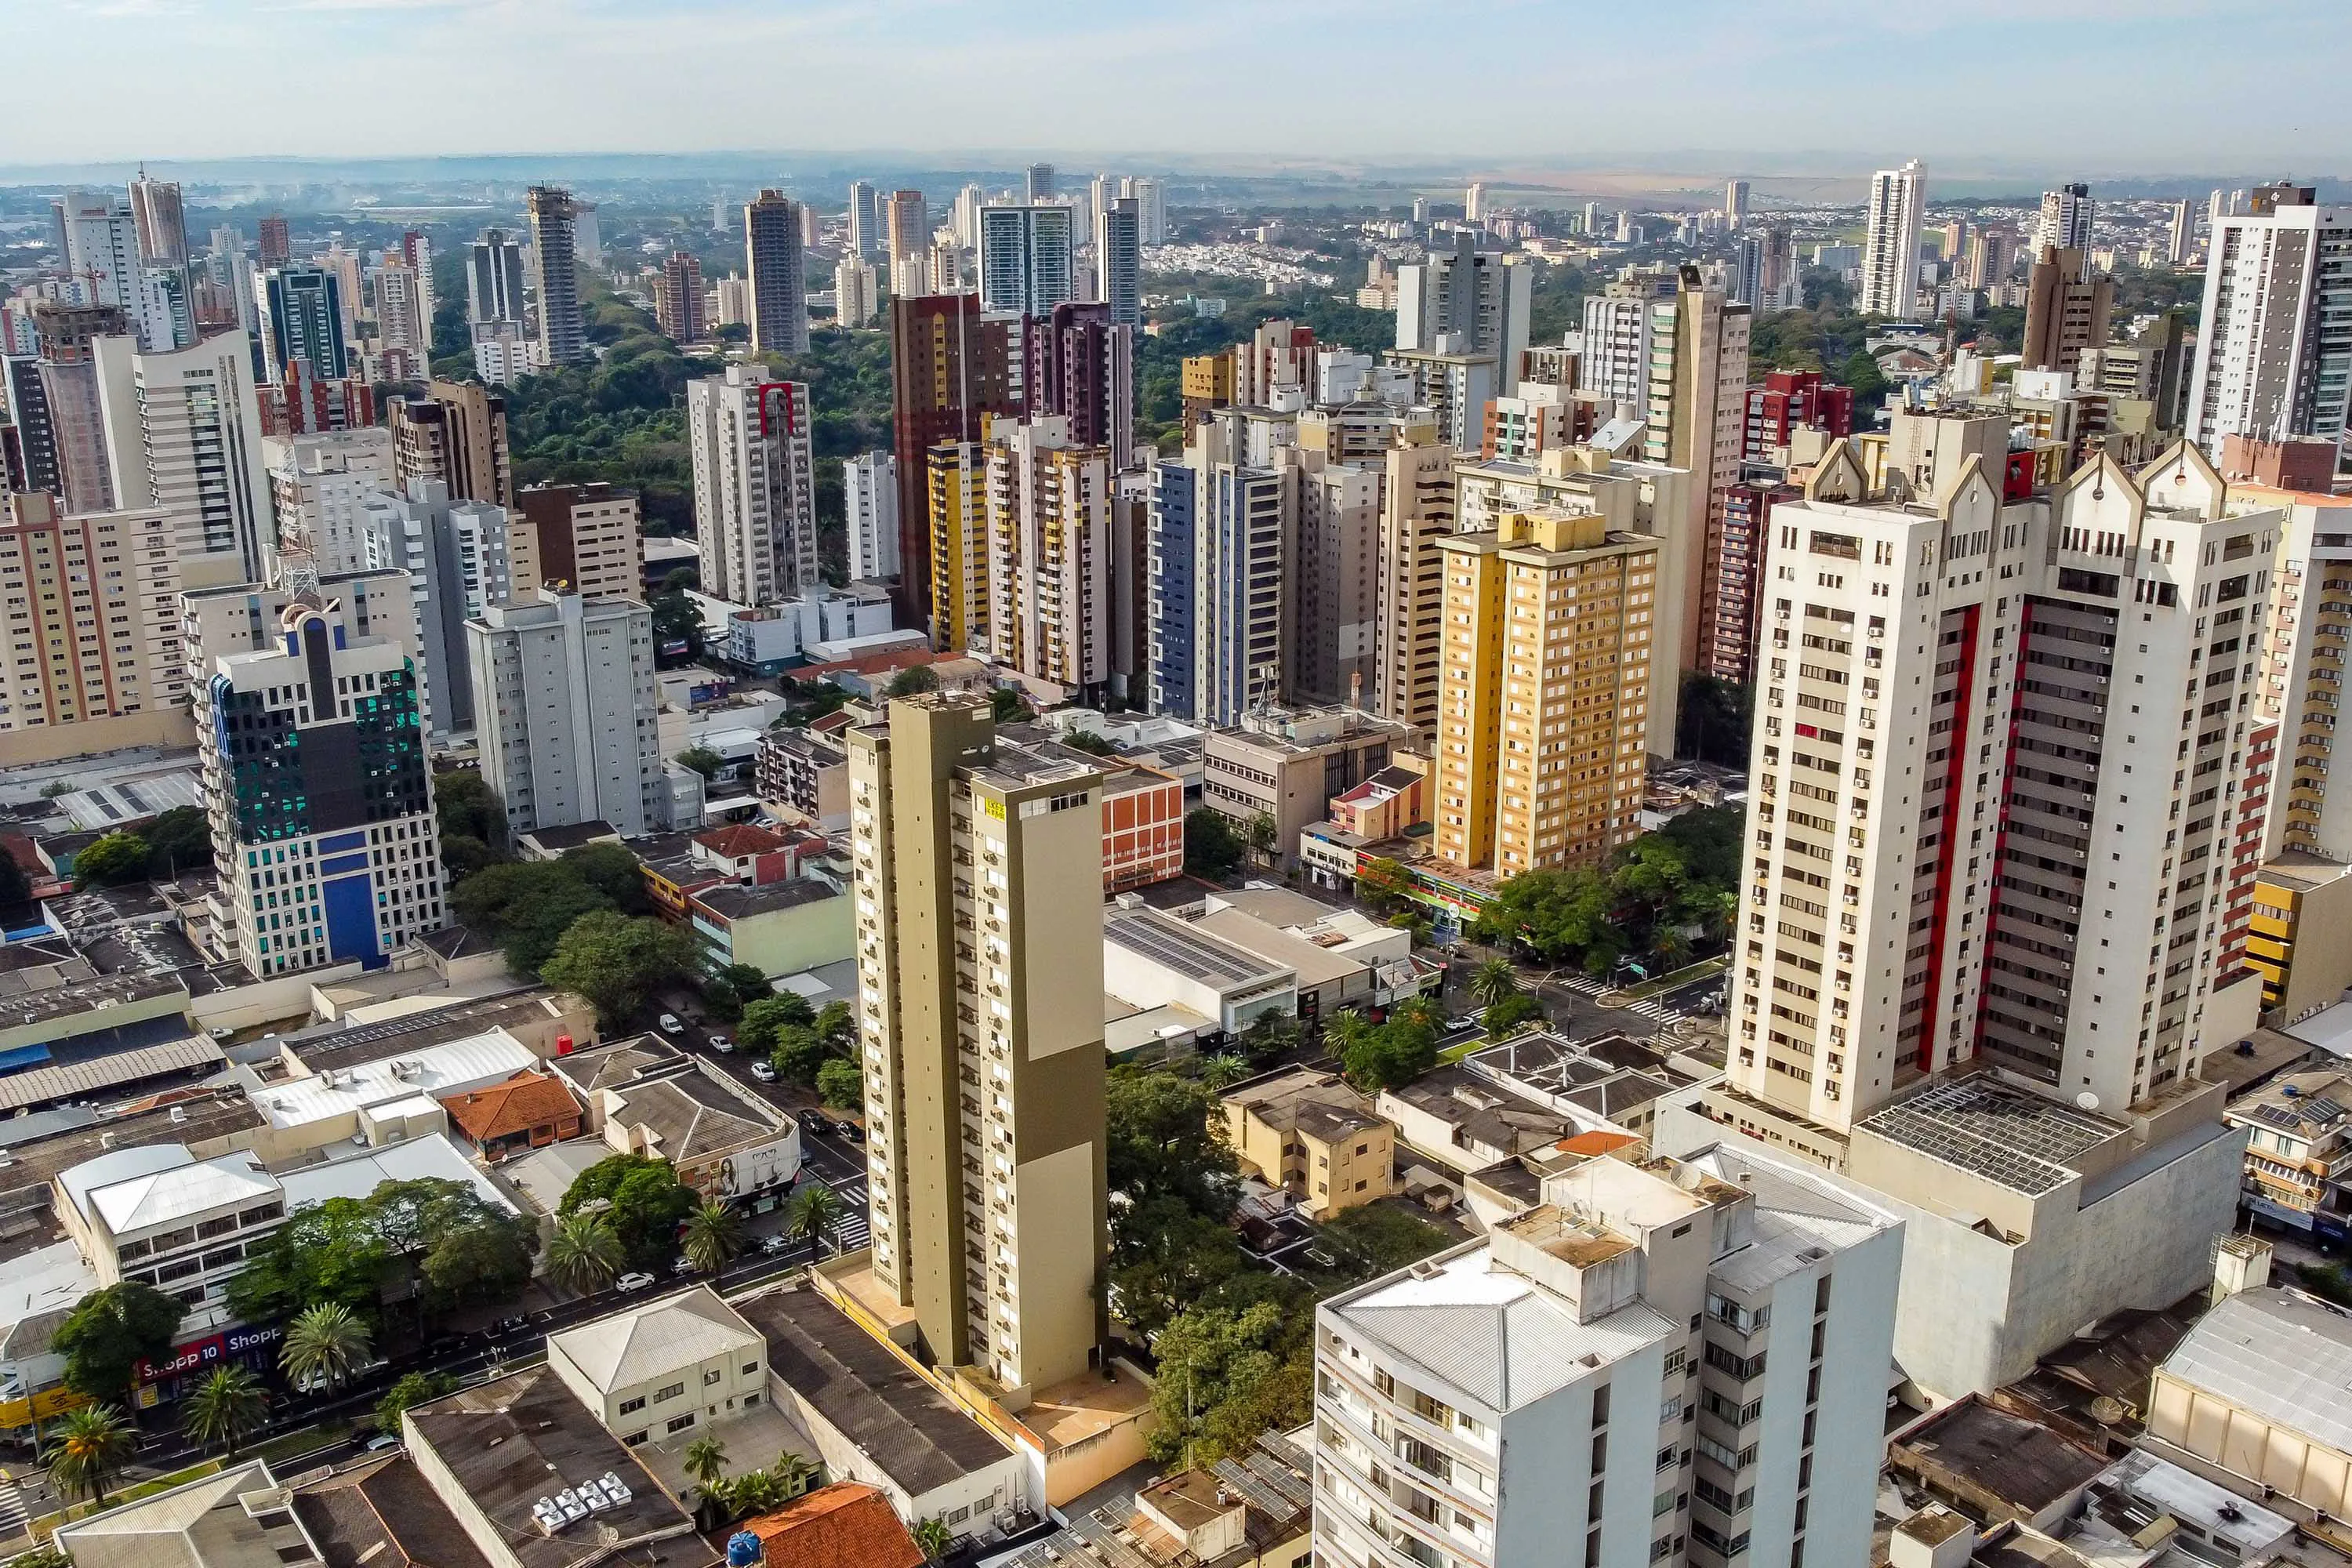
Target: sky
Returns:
[[1811, 85]]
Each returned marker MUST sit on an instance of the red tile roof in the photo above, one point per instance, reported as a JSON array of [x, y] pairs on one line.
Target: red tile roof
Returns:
[[1595, 1142], [739, 839], [525, 1100], [845, 1525]]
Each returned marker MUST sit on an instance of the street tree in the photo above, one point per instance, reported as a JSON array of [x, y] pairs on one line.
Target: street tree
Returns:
[[109, 1331], [756, 1030], [841, 1085], [714, 1234], [1494, 979], [814, 1215], [583, 1253], [88, 1450], [617, 963], [645, 1205], [226, 1408], [324, 1345], [413, 1389]]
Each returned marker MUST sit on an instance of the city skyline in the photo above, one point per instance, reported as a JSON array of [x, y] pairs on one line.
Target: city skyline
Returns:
[[637, 78]]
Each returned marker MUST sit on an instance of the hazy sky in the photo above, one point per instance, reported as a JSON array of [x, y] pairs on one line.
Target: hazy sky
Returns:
[[2103, 85]]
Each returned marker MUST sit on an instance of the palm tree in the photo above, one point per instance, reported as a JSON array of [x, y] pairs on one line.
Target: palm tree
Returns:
[[1415, 1010], [88, 1450], [713, 1235], [1264, 834], [324, 1344], [1494, 979], [584, 1253], [755, 1491], [814, 1211], [1221, 1072], [792, 1473], [226, 1408], [932, 1539], [706, 1460]]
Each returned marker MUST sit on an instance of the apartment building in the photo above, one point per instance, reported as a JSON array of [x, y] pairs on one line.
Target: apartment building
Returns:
[[1890, 242], [754, 485], [564, 711], [1049, 554], [457, 434], [978, 950], [183, 435], [1333, 560], [1214, 537], [677, 297], [1417, 501], [2275, 354], [316, 483], [249, 618], [1786, 402], [956, 544], [1697, 412], [1287, 763], [91, 608], [2067, 302], [773, 262], [1952, 665], [1663, 1361], [315, 777], [556, 248], [869, 483], [1543, 695], [1027, 258], [459, 561], [588, 539], [950, 368], [1468, 300]]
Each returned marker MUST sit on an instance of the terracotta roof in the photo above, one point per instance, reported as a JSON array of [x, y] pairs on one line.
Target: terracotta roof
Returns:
[[845, 1525], [1595, 1142], [739, 839], [525, 1100]]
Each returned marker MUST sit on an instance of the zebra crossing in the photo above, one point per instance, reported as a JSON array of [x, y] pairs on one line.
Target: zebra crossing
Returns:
[[1657, 1012], [14, 1519]]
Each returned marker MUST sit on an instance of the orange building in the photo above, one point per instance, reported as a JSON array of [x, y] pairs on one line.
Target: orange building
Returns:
[[845, 1525], [527, 1112]]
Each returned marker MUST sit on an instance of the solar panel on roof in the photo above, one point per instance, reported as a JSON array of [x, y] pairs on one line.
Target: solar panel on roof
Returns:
[[1254, 1492], [1282, 1448], [1117, 1553], [2324, 1109], [1278, 1473]]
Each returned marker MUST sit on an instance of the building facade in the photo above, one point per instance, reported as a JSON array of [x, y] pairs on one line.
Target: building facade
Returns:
[[1890, 242], [586, 538], [754, 485], [564, 711], [773, 261], [90, 604], [869, 484], [556, 246], [2274, 352]]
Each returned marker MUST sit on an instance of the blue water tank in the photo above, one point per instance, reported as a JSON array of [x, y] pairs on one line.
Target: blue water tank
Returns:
[[742, 1549]]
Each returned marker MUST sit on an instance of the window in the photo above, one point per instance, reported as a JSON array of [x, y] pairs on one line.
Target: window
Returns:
[[672, 1392], [751, 1368], [680, 1423], [634, 1438], [711, 1376]]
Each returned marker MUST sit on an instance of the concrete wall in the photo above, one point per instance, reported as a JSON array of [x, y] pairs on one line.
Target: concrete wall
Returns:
[[2241, 1449]]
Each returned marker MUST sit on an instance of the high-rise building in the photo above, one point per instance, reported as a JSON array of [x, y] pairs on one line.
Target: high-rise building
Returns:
[[455, 433], [2066, 306], [1992, 256], [563, 710], [1946, 746], [91, 604], [457, 556], [955, 498], [1466, 301], [274, 248], [1543, 691], [2065, 221], [1151, 205], [950, 368], [2180, 238], [1786, 402], [587, 240], [1079, 364], [1217, 522], [1474, 202], [1331, 598], [183, 433], [1050, 553], [1697, 410], [1735, 201], [249, 618], [864, 221], [556, 248], [1615, 365], [1693, 1401], [1416, 512], [857, 292], [314, 770], [949, 834], [1119, 261], [1207, 384], [402, 324], [1027, 258], [773, 262], [1040, 182], [584, 539], [677, 301], [163, 223], [317, 481], [302, 315], [100, 240], [1890, 242], [754, 485], [494, 290], [869, 483], [2275, 350], [57, 420], [416, 250], [906, 226]]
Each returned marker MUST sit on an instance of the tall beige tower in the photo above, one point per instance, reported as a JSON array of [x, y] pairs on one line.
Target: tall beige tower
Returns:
[[978, 884]]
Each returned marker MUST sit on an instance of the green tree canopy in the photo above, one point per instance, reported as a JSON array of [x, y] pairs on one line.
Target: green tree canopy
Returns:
[[841, 1085], [413, 1389], [1165, 1137], [116, 857], [613, 871], [762, 1020], [1212, 847], [226, 1408], [1165, 1258], [111, 1331], [1228, 1373], [180, 839], [617, 963], [1007, 706], [526, 907], [465, 804], [645, 1205], [1088, 741], [912, 682], [702, 759], [1390, 1055], [1378, 1239], [15, 888]]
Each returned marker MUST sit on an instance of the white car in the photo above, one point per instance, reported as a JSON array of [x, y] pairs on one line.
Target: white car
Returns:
[[775, 1244], [722, 1045], [763, 1072], [681, 1265], [633, 1281], [669, 1024]]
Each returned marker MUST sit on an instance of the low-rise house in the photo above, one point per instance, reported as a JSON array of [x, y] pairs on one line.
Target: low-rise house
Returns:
[[663, 1368], [1309, 1133], [723, 1142], [783, 928], [1604, 1082], [845, 1525], [1991, 1464], [528, 1110], [1465, 1122], [2299, 1152]]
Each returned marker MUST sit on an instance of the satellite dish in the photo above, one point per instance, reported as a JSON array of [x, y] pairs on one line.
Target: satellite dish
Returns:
[[2107, 1410], [2087, 1100]]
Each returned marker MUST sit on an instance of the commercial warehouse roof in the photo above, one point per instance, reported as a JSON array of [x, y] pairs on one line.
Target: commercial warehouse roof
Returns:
[[1184, 948], [2279, 1354], [99, 1074]]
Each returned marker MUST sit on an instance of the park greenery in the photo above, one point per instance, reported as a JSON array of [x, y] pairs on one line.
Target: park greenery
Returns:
[[525, 907]]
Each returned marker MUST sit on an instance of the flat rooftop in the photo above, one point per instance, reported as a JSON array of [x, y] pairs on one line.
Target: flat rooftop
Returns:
[[1187, 950], [737, 902], [330, 1045], [1982, 1126], [914, 1433], [382, 1512], [2279, 1354], [2020, 1463]]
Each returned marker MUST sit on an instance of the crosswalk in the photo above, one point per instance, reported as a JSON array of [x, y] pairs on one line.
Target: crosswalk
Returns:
[[1656, 1011], [14, 1519]]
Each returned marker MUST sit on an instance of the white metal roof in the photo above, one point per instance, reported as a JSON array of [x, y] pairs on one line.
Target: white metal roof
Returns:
[[429, 1074], [165, 1196], [660, 1337], [2279, 1354], [416, 1159]]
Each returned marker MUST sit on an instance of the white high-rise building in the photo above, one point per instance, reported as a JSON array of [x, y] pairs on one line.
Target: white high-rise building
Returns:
[[183, 433], [1890, 242], [1616, 362], [564, 711], [754, 486], [1027, 258], [493, 279], [1679, 1362], [1474, 202], [1119, 261], [965, 219], [1151, 205], [317, 483], [1466, 301], [864, 220], [459, 559], [2065, 221], [1735, 202], [2274, 339], [869, 484], [401, 321], [857, 292]]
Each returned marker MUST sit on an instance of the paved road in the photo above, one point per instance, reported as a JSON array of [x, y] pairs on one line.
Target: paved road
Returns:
[[1571, 998]]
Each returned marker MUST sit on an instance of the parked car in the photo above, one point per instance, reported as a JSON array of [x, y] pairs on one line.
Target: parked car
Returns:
[[763, 1072], [775, 1244], [669, 1024], [633, 1281], [681, 1265], [721, 1044], [851, 1130], [388, 1440], [817, 1124]]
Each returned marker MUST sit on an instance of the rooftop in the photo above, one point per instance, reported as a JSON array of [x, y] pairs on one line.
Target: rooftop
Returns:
[[734, 902], [29, 1166], [334, 1046], [2276, 1353], [661, 1336], [431, 1073], [1302, 1096], [520, 1441], [913, 1432], [193, 1057], [740, 839], [690, 1115], [525, 1100], [616, 1062], [573, 834], [2307, 1105], [431, 1157], [845, 1525], [1485, 1111], [202, 1525], [2019, 1463], [1181, 946], [382, 1513], [2005, 1135], [160, 1183]]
